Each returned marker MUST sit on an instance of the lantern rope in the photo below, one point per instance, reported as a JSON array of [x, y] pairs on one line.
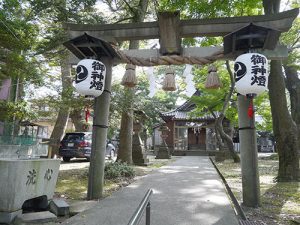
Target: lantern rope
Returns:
[[169, 59]]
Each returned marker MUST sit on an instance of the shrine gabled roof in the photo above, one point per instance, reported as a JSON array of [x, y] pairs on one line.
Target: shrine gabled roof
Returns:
[[177, 115], [182, 112]]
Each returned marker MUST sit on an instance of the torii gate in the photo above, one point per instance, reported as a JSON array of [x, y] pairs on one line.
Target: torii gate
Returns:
[[99, 41]]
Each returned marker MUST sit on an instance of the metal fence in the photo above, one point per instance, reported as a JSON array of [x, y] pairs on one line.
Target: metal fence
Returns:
[[18, 140], [22, 147], [144, 205]]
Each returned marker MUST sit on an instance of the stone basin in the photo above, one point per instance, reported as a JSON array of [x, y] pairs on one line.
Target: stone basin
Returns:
[[24, 179]]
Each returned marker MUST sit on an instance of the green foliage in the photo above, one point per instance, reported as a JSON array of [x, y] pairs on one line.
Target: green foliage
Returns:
[[51, 18], [212, 9], [213, 99], [19, 110], [114, 170], [18, 38], [262, 108], [292, 40], [161, 102]]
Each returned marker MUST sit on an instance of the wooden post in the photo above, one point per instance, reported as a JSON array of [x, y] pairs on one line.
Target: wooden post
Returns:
[[100, 125], [248, 146], [169, 33]]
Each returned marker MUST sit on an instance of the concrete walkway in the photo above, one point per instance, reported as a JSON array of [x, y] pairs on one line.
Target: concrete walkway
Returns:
[[186, 192]]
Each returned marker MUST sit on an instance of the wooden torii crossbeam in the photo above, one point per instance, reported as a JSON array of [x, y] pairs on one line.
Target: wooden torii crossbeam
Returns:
[[170, 30]]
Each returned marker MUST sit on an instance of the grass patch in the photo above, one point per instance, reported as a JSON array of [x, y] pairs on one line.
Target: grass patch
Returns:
[[72, 184], [280, 202]]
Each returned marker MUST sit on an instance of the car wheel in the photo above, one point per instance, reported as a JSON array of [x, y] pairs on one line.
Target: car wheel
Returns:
[[66, 159]]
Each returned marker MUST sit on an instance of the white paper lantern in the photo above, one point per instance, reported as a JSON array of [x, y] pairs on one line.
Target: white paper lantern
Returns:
[[90, 77], [251, 74]]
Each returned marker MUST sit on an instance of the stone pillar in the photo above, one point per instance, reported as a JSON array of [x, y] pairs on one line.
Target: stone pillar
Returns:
[[210, 139], [163, 151], [139, 156], [248, 146]]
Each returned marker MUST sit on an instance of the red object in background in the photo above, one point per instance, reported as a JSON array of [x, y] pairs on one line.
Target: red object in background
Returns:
[[250, 109], [87, 114]]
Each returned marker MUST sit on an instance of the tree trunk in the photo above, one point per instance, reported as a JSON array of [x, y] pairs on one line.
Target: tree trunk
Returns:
[[218, 138], [125, 150], [18, 96], [219, 121], [293, 86], [63, 113], [78, 121], [145, 138], [221, 136], [271, 6], [227, 139], [284, 128]]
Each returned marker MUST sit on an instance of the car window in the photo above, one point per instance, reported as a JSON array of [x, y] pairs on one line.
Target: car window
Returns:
[[88, 137], [73, 137]]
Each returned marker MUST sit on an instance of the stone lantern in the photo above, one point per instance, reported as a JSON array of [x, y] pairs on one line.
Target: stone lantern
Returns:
[[163, 151]]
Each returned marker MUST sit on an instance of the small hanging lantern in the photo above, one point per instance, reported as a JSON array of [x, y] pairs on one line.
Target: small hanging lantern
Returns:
[[129, 78], [90, 77], [169, 81], [251, 74], [212, 80]]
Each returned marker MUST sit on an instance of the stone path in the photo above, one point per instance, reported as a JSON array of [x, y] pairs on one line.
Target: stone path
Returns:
[[186, 192]]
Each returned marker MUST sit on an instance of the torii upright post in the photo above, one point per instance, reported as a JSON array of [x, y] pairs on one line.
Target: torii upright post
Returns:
[[86, 46], [100, 125], [249, 163]]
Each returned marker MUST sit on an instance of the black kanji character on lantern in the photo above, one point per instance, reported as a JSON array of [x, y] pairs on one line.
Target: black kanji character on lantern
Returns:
[[98, 66], [98, 85], [95, 75], [258, 59], [258, 70], [259, 80], [97, 80]]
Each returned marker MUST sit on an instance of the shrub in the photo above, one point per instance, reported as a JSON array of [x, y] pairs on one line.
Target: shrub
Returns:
[[115, 170], [274, 156]]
